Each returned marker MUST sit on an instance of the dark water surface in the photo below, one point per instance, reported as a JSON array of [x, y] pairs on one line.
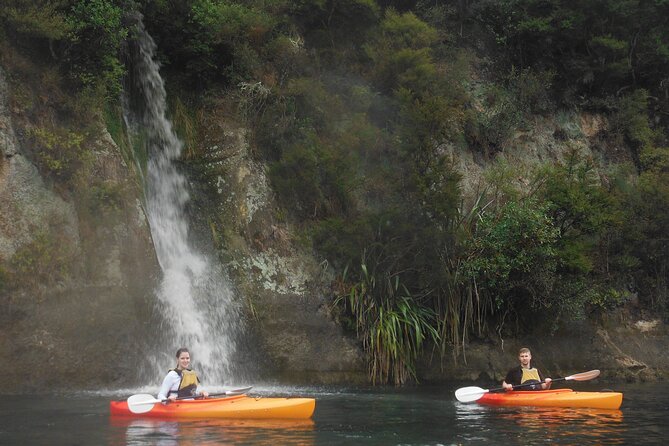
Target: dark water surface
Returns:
[[415, 416]]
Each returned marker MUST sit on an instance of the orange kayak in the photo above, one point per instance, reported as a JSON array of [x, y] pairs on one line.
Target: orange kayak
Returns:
[[554, 398], [240, 406]]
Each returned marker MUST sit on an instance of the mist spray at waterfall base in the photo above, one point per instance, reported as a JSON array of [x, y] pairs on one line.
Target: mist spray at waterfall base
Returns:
[[194, 300]]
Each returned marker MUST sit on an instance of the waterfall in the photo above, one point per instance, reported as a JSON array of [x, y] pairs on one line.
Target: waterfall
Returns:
[[194, 299]]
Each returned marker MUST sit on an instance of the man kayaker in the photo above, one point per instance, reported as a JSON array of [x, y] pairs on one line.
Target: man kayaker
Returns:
[[181, 381], [525, 374]]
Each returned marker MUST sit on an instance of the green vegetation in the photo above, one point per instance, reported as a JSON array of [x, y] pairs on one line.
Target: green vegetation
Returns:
[[84, 37], [44, 262], [104, 197], [393, 326], [59, 153], [512, 257], [596, 48], [357, 107]]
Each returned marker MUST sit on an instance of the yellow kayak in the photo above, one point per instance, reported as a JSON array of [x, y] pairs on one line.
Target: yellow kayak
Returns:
[[554, 398], [237, 407]]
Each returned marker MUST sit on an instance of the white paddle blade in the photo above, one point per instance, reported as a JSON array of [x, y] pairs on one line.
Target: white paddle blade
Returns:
[[142, 403], [469, 394], [238, 391], [585, 376]]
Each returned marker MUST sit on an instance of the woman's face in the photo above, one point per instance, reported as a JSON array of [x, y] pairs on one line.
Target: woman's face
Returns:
[[183, 361]]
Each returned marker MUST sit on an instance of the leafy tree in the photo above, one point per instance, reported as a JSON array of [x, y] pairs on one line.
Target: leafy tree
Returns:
[[596, 47], [92, 53], [629, 121], [579, 207], [210, 41], [83, 36], [513, 256], [401, 53], [333, 24], [36, 19], [641, 242]]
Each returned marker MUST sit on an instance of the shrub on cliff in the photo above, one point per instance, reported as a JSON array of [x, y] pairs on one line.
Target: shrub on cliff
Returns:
[[83, 38]]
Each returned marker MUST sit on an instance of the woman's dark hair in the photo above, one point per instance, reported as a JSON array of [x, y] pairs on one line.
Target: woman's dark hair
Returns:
[[182, 350]]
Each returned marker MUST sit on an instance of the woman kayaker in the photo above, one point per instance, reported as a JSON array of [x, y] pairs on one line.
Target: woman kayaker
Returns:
[[181, 381], [526, 374]]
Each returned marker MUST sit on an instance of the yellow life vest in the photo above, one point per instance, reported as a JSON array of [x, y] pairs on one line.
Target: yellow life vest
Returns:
[[188, 384], [530, 375]]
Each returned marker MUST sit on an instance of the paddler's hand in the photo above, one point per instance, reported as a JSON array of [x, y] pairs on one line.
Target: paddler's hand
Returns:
[[172, 398], [204, 394], [547, 383], [507, 387]]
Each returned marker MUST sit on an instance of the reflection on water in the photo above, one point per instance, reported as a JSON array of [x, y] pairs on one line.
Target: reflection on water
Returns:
[[133, 431], [587, 426], [344, 416]]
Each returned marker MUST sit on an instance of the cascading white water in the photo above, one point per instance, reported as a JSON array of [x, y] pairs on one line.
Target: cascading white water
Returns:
[[194, 298]]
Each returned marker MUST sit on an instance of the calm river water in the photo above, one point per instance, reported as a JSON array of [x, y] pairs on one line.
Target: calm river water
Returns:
[[426, 415]]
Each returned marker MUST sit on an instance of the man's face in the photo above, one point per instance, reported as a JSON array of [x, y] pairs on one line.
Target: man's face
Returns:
[[525, 359]]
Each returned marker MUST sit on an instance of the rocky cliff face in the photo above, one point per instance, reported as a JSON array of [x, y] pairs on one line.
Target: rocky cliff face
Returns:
[[623, 349], [77, 268], [548, 140], [287, 292], [624, 345], [79, 272]]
